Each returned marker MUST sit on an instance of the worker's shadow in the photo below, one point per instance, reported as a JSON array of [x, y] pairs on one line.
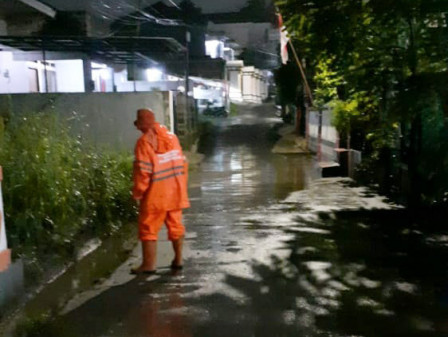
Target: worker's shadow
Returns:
[[130, 309]]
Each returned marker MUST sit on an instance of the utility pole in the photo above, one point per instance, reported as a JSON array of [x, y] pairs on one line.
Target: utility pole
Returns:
[[309, 101], [187, 78], [137, 34], [187, 61], [44, 56]]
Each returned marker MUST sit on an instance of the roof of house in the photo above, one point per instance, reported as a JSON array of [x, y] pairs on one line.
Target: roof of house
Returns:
[[119, 50], [11, 8], [232, 17], [238, 17]]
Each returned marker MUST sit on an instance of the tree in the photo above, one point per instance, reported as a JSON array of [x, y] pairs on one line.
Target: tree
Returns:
[[255, 10], [288, 88], [287, 82], [191, 14], [391, 57]]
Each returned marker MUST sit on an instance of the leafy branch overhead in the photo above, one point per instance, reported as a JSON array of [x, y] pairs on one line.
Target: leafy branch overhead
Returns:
[[383, 67]]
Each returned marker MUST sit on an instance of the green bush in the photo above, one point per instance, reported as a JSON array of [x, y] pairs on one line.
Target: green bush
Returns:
[[58, 187], [233, 110]]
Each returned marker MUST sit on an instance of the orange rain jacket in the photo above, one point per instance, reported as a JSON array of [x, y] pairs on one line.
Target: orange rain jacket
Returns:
[[160, 175]]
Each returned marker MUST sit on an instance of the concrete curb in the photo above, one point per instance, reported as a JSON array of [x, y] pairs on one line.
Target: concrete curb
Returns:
[[194, 158], [290, 143]]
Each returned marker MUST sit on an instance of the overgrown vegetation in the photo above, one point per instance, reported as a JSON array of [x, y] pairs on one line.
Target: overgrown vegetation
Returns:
[[289, 90], [233, 110], [383, 67], [58, 187]]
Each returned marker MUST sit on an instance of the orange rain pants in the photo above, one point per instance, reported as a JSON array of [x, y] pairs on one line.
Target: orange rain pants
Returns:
[[160, 183], [150, 224]]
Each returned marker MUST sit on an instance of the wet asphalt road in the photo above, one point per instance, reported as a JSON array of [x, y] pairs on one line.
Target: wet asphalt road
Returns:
[[216, 293], [257, 266]]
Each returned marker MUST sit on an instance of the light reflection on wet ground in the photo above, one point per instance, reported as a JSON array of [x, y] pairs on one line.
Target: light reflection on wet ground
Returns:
[[257, 266]]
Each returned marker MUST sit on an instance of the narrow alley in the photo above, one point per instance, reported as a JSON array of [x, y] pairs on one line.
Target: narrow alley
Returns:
[[260, 262]]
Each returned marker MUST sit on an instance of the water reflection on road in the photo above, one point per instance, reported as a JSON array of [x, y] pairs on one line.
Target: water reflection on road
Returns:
[[259, 266]]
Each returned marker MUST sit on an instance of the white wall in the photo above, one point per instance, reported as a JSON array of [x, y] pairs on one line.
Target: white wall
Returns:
[[123, 85], [69, 75], [234, 76], [250, 84], [103, 79], [104, 118], [13, 75], [330, 137], [47, 81], [214, 48]]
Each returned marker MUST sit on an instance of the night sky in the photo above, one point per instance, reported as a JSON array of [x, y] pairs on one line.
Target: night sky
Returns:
[[208, 6]]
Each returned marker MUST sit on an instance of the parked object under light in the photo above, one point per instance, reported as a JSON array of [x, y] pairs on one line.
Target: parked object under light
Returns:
[[95, 65], [105, 74], [154, 74]]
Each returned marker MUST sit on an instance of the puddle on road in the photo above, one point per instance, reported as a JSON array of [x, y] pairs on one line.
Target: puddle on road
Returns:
[[95, 262]]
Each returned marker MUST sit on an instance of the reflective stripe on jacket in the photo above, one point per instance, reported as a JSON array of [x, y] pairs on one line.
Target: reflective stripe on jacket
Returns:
[[160, 178]]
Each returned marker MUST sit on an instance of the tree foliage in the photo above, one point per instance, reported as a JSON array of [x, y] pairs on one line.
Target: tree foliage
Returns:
[[287, 81], [191, 14], [255, 10], [383, 66]]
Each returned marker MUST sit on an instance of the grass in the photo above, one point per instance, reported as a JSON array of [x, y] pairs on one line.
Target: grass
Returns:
[[58, 187], [233, 110]]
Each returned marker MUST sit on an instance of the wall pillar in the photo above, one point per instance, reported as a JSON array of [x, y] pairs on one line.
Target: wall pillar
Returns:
[[254, 87], [258, 87], [235, 78], [87, 70], [235, 81], [264, 88], [248, 84]]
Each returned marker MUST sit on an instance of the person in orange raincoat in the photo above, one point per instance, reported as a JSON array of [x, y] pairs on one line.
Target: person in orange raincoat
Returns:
[[160, 188]]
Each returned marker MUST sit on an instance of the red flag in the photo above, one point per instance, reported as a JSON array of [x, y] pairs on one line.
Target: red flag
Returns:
[[284, 39]]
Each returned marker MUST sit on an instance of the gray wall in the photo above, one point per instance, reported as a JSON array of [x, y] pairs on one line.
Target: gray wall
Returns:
[[105, 118], [11, 285], [330, 138]]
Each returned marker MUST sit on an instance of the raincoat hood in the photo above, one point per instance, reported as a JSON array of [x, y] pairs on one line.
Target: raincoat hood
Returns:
[[161, 139], [145, 119]]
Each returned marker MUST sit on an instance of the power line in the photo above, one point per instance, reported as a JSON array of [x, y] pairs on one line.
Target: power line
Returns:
[[174, 4], [113, 10]]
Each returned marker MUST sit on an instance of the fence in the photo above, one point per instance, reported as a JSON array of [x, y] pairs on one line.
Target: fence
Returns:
[[323, 139], [186, 120]]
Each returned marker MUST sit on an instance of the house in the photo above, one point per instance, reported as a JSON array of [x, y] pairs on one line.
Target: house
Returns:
[[257, 42], [63, 57], [155, 51], [20, 18], [187, 26], [215, 50], [23, 17], [251, 49], [68, 52]]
